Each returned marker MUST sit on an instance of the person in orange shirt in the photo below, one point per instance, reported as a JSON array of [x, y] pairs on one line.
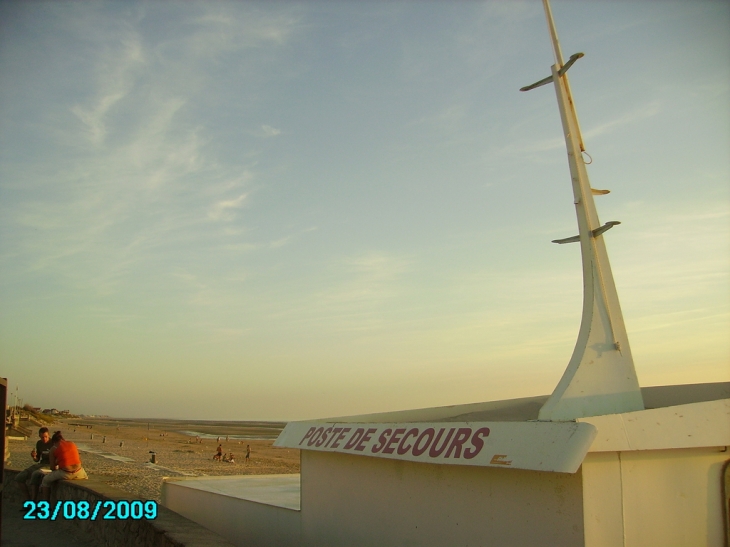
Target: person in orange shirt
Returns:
[[65, 464]]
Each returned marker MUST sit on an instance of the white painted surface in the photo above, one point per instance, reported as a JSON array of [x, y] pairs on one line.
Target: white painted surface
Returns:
[[602, 502], [640, 485], [670, 498], [702, 424], [278, 490], [265, 519], [600, 377], [355, 501], [541, 446]]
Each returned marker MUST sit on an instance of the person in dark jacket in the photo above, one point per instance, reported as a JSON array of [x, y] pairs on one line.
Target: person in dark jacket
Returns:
[[30, 479]]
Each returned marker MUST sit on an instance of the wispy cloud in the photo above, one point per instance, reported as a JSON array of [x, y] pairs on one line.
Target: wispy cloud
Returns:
[[280, 242], [524, 144], [269, 131], [225, 210], [365, 283], [356, 289], [646, 111], [376, 265], [114, 79], [137, 167]]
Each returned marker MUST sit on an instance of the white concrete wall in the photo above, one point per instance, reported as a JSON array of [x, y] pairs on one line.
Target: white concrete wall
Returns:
[[356, 500], [671, 498], [244, 523]]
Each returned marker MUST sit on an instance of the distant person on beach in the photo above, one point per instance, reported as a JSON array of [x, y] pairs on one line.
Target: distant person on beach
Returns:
[[35, 471], [230, 458], [65, 464], [218, 453], [248, 453]]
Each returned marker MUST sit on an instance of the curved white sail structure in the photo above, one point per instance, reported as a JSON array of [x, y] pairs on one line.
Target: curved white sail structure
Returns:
[[600, 377]]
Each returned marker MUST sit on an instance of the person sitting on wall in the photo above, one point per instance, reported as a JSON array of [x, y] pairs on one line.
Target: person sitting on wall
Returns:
[[35, 471], [65, 464]]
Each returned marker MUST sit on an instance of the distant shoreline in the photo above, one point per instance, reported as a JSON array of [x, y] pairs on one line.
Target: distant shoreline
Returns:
[[239, 429], [112, 420]]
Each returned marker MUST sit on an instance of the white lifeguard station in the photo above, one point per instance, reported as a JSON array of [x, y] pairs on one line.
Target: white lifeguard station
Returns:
[[599, 463]]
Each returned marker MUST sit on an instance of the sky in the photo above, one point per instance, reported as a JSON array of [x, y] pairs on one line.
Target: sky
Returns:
[[290, 210]]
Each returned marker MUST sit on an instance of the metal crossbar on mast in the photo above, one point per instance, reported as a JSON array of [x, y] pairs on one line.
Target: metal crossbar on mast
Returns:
[[600, 377]]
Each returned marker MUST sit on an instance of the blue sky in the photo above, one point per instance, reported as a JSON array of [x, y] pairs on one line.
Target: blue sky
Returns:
[[280, 210]]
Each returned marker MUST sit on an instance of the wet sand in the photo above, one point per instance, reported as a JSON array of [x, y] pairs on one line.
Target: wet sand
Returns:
[[123, 461]]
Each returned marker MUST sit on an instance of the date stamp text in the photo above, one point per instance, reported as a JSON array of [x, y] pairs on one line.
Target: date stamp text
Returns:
[[83, 510]]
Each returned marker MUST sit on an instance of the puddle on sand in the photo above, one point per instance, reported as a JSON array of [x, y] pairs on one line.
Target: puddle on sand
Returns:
[[107, 455], [160, 468], [230, 437]]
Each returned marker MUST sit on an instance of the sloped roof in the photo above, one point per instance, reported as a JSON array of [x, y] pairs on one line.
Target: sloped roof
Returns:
[[527, 408]]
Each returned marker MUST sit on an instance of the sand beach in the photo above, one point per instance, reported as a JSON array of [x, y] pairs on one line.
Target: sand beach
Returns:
[[118, 452]]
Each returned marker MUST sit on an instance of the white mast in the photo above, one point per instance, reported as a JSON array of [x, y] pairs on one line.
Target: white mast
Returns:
[[600, 377]]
